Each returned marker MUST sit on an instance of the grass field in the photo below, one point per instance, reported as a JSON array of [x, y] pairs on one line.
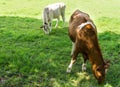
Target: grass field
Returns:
[[29, 58]]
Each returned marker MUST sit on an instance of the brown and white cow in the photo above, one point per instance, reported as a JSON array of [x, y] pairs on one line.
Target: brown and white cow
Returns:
[[50, 12], [83, 34]]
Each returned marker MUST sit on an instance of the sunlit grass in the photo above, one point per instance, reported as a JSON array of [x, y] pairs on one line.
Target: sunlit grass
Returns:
[[108, 24], [31, 8]]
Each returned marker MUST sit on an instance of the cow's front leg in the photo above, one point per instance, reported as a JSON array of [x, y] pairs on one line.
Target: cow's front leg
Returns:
[[83, 67], [63, 17], [84, 64]]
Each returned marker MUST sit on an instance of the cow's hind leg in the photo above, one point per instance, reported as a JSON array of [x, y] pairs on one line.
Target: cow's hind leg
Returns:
[[70, 65], [63, 15], [57, 22], [74, 57]]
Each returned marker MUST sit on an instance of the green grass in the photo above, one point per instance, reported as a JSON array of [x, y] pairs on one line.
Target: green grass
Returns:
[[29, 58]]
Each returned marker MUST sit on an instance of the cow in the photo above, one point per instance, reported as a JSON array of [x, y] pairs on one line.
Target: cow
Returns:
[[50, 12], [83, 34]]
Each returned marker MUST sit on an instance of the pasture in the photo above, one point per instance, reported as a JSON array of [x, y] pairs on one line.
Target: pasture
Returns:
[[29, 58]]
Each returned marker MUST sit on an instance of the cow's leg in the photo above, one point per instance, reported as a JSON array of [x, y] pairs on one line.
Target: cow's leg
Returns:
[[57, 22], [46, 28], [74, 57], [46, 32], [73, 48], [50, 26], [63, 18], [63, 15], [70, 65], [84, 63]]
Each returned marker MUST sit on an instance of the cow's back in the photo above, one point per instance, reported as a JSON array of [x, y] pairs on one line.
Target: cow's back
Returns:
[[55, 9], [77, 19]]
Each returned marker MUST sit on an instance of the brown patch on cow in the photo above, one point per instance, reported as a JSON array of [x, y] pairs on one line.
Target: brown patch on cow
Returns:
[[88, 26]]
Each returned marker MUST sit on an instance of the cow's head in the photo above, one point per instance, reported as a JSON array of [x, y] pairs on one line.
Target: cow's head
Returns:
[[100, 71], [45, 28]]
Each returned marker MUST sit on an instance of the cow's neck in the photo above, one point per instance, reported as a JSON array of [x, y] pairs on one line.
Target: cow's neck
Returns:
[[96, 58]]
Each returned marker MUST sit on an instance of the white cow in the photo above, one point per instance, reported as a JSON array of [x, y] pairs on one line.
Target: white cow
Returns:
[[51, 12]]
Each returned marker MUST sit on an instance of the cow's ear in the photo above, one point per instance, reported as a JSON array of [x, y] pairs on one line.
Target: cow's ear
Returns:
[[42, 26]]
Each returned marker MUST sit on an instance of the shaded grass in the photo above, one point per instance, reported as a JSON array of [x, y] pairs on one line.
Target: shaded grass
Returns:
[[30, 58], [25, 49]]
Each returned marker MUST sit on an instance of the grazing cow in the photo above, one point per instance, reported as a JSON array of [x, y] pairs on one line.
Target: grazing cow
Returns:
[[83, 34], [51, 12]]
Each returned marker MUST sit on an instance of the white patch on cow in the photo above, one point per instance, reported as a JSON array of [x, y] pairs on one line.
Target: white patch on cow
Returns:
[[83, 67], [106, 71], [86, 23], [70, 66], [73, 47]]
